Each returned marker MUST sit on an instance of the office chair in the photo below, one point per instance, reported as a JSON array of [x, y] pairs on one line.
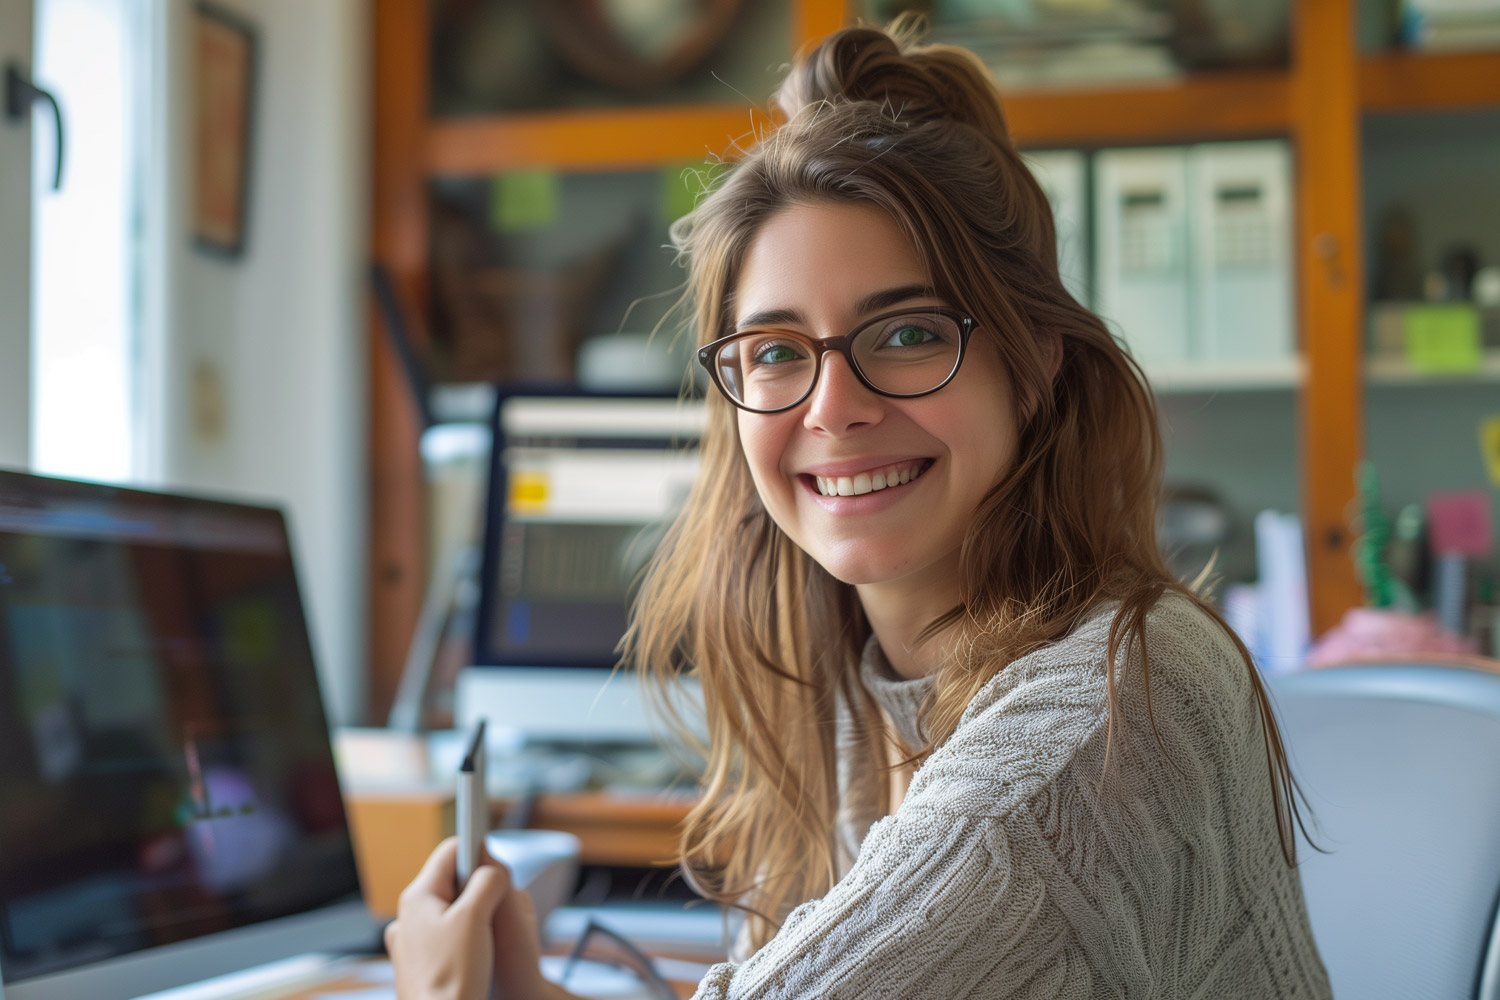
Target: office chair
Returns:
[[1401, 765]]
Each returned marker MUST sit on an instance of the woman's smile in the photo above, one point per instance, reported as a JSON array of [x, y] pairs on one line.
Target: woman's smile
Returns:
[[870, 480]]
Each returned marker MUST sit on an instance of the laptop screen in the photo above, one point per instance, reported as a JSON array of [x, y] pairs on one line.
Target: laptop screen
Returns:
[[165, 765]]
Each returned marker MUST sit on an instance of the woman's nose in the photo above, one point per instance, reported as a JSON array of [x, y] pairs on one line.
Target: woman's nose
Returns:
[[840, 402]]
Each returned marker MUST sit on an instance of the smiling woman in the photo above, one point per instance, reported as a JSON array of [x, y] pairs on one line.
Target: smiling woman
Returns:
[[1099, 803]]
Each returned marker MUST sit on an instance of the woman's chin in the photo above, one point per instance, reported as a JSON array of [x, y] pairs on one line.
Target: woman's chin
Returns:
[[864, 570]]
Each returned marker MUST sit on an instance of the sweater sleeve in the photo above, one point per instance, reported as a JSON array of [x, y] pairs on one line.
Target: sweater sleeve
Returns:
[[936, 905], [949, 896]]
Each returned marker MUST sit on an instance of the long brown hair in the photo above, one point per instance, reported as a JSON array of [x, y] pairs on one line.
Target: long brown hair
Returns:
[[875, 118]]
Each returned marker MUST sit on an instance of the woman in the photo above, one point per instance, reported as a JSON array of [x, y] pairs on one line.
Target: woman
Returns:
[[924, 538]]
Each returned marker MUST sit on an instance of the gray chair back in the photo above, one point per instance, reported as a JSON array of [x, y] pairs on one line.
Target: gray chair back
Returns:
[[1401, 765]]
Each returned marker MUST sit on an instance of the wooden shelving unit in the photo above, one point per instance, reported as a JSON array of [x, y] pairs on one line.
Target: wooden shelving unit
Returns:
[[1226, 376], [1217, 106], [613, 139], [1448, 81], [1318, 102], [1398, 371]]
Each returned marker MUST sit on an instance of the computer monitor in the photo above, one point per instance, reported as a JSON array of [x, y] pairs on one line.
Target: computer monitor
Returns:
[[169, 807], [581, 489]]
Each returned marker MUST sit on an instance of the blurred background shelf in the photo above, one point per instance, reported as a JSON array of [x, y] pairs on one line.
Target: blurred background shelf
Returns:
[[1227, 376], [612, 138], [1219, 105], [1399, 371], [1439, 81]]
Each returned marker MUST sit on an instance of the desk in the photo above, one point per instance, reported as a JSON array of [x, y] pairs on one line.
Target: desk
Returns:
[[395, 830], [361, 985]]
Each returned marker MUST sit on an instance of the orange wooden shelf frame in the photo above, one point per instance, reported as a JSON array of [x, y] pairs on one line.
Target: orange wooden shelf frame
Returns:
[[1211, 106], [1439, 81], [1203, 107], [595, 139]]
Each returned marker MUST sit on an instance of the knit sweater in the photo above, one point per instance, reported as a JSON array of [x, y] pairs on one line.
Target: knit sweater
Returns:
[[1017, 866]]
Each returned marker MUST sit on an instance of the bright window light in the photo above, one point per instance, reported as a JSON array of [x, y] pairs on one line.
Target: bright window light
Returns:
[[85, 307]]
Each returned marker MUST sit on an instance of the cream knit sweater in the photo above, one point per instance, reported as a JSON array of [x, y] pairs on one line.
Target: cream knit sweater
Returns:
[[1007, 873]]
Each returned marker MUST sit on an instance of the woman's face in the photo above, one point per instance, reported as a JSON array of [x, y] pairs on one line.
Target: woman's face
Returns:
[[814, 266]]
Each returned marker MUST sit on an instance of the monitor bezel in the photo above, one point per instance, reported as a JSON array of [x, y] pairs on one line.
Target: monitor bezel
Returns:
[[341, 927]]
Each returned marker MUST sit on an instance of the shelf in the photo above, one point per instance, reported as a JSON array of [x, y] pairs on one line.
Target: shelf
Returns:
[[1398, 371], [1430, 81], [596, 139], [1206, 106], [1226, 376], [1197, 108]]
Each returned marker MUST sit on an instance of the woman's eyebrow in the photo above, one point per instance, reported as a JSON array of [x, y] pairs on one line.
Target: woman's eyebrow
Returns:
[[892, 297], [874, 302]]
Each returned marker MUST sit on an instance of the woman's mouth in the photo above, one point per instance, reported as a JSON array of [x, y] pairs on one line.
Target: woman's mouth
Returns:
[[882, 478]]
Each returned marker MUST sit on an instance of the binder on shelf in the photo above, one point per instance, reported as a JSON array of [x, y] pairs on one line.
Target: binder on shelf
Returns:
[[1141, 272], [1240, 260], [1063, 176]]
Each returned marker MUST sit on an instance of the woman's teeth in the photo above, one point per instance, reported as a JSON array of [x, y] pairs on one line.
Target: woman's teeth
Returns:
[[869, 482]]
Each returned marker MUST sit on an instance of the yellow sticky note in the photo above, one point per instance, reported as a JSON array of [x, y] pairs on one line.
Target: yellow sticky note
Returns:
[[1443, 338], [1489, 446], [524, 199], [528, 492]]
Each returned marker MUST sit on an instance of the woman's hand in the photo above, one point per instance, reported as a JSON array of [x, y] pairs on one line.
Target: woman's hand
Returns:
[[447, 948]]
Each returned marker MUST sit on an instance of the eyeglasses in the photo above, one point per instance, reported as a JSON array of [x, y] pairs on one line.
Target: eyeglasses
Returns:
[[599, 943], [899, 354]]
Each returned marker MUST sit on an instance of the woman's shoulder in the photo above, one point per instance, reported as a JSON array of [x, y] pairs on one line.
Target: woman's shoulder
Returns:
[[1180, 637], [1027, 725], [1064, 686]]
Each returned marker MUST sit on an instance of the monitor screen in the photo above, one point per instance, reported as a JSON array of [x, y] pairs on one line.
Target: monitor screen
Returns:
[[165, 766], [582, 489]]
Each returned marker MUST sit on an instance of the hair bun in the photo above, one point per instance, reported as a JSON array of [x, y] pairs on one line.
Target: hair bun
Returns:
[[913, 82]]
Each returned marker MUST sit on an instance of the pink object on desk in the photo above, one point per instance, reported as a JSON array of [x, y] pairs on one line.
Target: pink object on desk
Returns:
[[1368, 634], [1460, 523]]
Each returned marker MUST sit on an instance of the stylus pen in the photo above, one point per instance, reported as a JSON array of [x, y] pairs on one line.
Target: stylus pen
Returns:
[[473, 807]]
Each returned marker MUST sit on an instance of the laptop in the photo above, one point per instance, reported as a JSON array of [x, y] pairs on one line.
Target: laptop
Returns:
[[169, 807]]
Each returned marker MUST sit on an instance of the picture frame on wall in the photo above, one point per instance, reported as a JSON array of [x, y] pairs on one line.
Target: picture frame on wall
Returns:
[[224, 68]]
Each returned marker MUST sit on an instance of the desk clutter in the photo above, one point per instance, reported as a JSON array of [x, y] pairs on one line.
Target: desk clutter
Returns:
[[400, 800]]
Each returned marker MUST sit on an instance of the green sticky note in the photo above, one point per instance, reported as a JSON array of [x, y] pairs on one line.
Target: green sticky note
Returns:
[[524, 199], [1443, 339], [681, 187]]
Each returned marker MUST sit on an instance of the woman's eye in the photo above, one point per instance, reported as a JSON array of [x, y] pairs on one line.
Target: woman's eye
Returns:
[[774, 354], [910, 336]]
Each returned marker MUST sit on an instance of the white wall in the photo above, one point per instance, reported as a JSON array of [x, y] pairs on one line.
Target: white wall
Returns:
[[275, 340], [15, 252]]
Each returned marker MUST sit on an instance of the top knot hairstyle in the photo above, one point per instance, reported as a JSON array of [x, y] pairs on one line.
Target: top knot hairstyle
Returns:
[[914, 83], [875, 118]]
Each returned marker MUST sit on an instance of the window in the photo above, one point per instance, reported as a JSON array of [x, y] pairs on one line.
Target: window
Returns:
[[88, 307]]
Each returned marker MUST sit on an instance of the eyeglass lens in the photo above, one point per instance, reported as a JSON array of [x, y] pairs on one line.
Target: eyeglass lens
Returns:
[[902, 355]]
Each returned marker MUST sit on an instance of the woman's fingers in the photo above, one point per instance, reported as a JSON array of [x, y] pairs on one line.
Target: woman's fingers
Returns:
[[435, 882], [485, 890]]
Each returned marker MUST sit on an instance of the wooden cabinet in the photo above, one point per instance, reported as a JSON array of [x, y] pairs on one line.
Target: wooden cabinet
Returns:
[[1317, 102]]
